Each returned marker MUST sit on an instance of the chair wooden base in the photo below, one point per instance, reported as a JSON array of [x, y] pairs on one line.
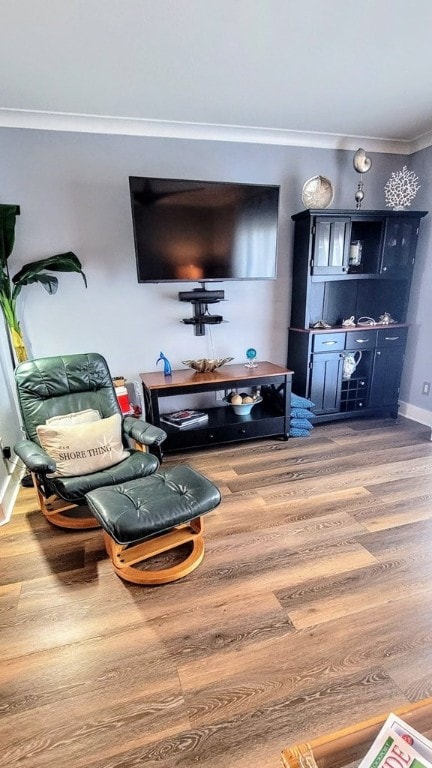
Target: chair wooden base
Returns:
[[53, 508], [125, 557]]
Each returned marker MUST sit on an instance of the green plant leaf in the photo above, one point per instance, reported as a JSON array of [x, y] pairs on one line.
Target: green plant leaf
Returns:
[[36, 272], [49, 282], [5, 288], [8, 215]]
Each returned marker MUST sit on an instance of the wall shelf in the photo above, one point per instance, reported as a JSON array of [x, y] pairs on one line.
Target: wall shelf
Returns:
[[200, 298]]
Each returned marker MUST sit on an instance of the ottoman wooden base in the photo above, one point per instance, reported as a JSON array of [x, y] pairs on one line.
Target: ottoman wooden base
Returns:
[[152, 515], [125, 558]]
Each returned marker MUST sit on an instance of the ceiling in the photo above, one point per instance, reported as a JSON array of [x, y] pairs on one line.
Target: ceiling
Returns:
[[282, 71]]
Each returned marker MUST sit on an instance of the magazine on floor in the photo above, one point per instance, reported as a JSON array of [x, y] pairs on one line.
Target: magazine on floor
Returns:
[[398, 745]]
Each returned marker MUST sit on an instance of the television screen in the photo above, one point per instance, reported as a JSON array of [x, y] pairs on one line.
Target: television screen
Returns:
[[204, 230]]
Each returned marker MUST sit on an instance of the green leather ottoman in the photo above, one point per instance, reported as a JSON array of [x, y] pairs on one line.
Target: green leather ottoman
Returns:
[[150, 515]]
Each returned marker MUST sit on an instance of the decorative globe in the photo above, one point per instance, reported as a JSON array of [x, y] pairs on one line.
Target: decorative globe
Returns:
[[251, 355]]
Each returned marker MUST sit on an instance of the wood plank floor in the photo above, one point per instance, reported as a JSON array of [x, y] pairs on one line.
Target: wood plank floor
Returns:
[[312, 610]]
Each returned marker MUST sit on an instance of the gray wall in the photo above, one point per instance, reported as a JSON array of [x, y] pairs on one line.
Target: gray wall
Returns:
[[73, 193], [418, 361]]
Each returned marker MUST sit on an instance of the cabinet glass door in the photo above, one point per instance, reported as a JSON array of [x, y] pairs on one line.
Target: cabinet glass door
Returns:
[[399, 245], [331, 245]]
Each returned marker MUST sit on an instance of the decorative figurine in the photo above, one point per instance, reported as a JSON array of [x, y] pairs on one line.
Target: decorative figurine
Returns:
[[349, 322], [320, 324], [362, 164], [166, 362], [401, 189], [366, 320], [251, 355], [386, 319]]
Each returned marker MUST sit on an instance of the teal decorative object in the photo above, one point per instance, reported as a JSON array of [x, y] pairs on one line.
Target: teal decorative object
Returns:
[[251, 354], [166, 362]]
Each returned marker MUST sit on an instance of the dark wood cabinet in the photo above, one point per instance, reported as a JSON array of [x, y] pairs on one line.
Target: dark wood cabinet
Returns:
[[331, 286]]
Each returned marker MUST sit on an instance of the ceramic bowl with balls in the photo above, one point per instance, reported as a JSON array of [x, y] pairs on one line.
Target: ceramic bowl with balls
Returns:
[[242, 403]]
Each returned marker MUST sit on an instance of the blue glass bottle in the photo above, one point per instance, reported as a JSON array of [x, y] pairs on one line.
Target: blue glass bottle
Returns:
[[166, 362]]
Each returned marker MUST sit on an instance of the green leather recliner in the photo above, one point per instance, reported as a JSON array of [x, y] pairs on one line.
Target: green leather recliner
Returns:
[[55, 386]]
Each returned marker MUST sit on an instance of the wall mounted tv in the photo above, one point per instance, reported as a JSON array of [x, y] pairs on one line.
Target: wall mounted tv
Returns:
[[204, 230]]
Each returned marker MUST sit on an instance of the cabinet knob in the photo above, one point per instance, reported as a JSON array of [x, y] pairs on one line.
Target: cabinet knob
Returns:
[[242, 431], [384, 269], [211, 436], [378, 353]]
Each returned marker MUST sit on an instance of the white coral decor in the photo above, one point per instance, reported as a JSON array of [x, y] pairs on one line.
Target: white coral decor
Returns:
[[401, 189]]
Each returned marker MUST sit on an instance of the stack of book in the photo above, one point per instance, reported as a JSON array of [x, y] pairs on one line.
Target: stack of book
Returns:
[[185, 418]]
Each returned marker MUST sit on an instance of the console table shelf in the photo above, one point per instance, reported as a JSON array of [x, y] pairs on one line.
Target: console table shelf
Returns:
[[267, 419]]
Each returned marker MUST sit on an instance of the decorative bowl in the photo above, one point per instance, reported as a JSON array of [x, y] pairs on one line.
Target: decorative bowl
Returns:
[[204, 365], [243, 409], [317, 192]]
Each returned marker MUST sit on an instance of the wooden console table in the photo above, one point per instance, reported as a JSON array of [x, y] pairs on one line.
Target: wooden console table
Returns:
[[267, 419], [348, 746]]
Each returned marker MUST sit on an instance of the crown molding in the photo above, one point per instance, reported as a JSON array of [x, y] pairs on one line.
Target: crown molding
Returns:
[[421, 142], [128, 126]]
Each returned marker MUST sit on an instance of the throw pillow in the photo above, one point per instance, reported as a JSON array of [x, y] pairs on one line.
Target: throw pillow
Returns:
[[301, 413], [301, 423], [79, 417], [296, 432], [300, 402], [81, 449]]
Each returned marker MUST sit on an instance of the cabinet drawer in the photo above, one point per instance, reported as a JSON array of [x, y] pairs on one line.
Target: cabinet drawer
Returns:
[[328, 342], [361, 339], [180, 439], [392, 337], [240, 431]]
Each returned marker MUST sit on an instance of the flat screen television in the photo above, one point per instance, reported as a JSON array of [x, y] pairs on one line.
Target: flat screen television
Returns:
[[204, 230]]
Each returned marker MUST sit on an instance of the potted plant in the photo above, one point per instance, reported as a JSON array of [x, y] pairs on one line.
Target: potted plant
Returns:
[[35, 272]]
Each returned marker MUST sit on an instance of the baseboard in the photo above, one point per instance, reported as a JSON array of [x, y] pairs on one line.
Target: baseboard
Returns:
[[11, 492], [421, 415]]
